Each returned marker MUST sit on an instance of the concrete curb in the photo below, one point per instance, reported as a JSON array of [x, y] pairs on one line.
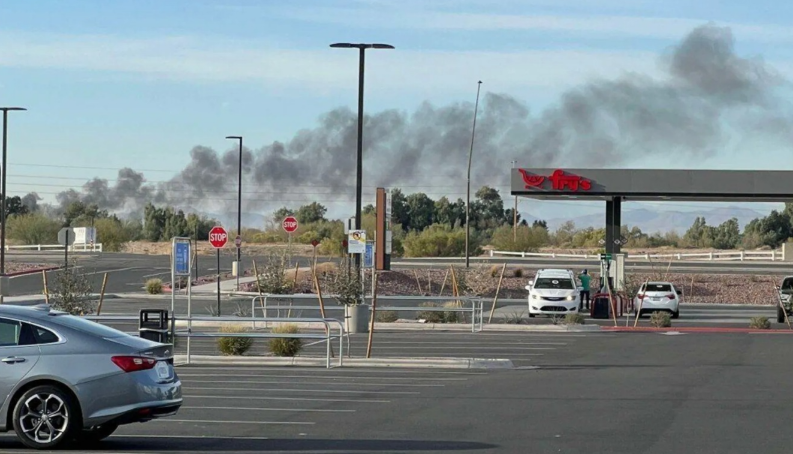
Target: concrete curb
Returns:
[[37, 270], [319, 361], [390, 327]]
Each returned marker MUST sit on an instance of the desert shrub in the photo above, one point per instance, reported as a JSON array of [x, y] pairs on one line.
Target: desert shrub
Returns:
[[234, 346], [154, 286], [759, 323], [430, 316], [453, 316], [518, 272], [574, 319], [33, 228], [514, 318], [112, 234], [347, 287], [495, 271], [307, 237], [72, 292], [438, 241], [272, 277], [386, 316], [528, 239], [660, 319], [331, 246], [286, 346]]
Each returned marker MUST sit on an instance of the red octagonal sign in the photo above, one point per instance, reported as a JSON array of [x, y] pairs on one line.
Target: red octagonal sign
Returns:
[[218, 237], [290, 224]]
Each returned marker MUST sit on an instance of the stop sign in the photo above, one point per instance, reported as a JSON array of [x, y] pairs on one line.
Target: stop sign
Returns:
[[218, 237], [289, 224]]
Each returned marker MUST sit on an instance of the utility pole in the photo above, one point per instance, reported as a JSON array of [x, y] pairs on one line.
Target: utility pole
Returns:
[[468, 193]]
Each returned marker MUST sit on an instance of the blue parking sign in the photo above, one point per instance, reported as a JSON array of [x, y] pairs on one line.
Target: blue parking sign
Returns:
[[181, 258], [368, 256]]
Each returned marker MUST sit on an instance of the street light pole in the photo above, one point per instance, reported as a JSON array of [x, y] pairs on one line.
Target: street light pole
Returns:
[[359, 167], [239, 207], [468, 194], [3, 196], [515, 215]]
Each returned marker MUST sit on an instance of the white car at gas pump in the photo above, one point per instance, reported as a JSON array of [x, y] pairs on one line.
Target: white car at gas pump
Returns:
[[553, 292]]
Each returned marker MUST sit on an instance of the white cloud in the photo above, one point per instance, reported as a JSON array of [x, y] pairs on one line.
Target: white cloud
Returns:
[[403, 18], [323, 71]]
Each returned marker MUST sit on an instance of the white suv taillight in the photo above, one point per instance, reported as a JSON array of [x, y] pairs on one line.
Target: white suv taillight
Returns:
[[133, 363]]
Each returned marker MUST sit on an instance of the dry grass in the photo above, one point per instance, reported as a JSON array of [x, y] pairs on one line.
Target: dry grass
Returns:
[[204, 248]]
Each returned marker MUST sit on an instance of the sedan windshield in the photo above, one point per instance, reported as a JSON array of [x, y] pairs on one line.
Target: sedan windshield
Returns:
[[554, 283], [659, 288]]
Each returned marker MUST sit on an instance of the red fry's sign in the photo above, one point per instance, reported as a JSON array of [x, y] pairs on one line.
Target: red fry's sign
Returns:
[[559, 181]]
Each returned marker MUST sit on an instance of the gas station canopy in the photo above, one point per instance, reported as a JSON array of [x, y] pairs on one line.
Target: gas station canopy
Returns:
[[617, 185]]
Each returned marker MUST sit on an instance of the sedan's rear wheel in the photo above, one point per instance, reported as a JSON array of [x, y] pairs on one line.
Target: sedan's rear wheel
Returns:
[[45, 417], [97, 433]]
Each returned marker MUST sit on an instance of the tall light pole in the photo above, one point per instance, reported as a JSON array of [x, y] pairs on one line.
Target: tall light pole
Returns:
[[515, 213], [359, 174], [239, 207], [468, 194], [3, 196]]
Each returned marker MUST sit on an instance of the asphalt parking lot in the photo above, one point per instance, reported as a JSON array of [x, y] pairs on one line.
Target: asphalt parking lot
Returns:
[[616, 393]]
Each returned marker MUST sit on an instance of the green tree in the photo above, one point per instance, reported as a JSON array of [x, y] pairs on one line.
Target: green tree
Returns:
[[449, 213], [421, 209], [33, 228], [540, 223], [73, 211], [563, 236], [369, 209], [313, 212], [700, 234], [400, 213], [199, 226], [14, 206], [175, 224], [487, 211], [154, 222], [727, 235]]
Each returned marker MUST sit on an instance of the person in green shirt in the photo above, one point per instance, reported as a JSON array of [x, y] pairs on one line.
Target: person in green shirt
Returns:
[[585, 278]]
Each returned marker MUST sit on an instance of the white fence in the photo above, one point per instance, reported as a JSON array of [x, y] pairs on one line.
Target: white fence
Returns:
[[768, 256], [76, 247]]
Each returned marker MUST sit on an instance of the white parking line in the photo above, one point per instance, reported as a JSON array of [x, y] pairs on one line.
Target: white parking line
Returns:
[[276, 382], [504, 347], [208, 437], [282, 390], [332, 377], [309, 399], [226, 370], [313, 410], [210, 421]]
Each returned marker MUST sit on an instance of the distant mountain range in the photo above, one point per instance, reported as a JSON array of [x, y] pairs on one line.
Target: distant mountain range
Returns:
[[650, 221]]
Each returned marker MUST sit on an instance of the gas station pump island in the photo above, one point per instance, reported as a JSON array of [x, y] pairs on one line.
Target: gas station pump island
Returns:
[[614, 186]]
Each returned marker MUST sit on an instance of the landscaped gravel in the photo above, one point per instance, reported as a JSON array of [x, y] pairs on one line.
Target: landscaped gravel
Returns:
[[697, 288]]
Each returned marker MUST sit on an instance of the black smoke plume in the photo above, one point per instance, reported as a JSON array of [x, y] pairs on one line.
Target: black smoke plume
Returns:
[[707, 96]]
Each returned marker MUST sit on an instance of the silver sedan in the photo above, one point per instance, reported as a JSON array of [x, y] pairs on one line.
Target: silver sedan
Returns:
[[64, 378]]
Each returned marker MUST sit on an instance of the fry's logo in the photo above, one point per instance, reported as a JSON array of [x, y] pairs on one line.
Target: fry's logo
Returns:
[[559, 181]]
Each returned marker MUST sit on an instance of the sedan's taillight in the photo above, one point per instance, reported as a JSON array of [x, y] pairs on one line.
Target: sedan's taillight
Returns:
[[640, 296], [671, 296], [133, 363]]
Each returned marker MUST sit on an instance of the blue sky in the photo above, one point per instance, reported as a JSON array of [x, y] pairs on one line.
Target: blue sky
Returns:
[[139, 83]]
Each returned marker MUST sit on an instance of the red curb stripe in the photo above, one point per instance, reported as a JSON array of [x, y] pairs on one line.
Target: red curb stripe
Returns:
[[37, 270]]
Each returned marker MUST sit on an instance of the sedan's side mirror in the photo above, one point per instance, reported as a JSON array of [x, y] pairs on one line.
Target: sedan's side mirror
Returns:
[[580, 289], [528, 287], [679, 292]]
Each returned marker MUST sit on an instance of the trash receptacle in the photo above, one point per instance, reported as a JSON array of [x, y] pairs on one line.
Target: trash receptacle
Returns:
[[601, 308], [153, 325]]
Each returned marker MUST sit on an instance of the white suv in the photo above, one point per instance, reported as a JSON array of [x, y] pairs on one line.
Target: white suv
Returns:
[[553, 292]]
